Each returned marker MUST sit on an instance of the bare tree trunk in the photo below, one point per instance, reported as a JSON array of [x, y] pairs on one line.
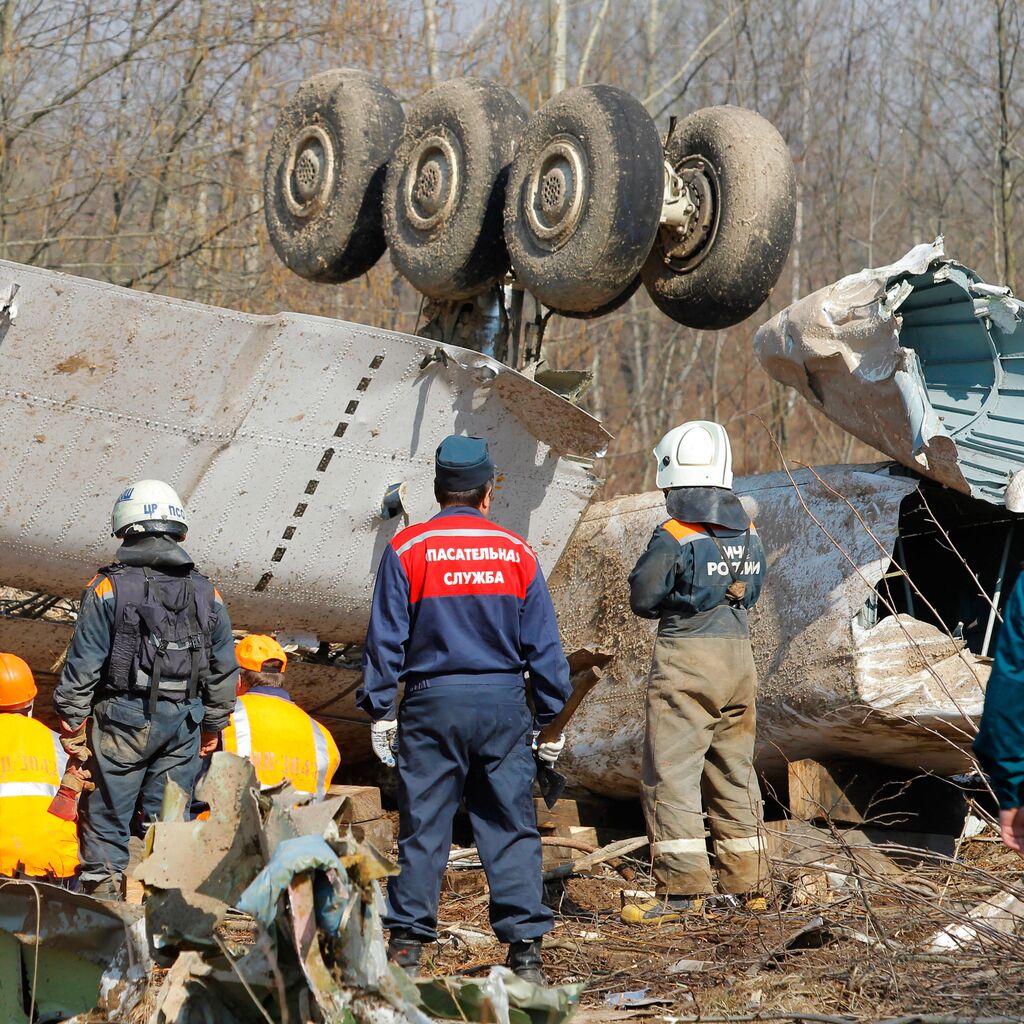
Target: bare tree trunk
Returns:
[[430, 39], [597, 403], [639, 371], [651, 47], [6, 82], [595, 31], [798, 225], [1008, 262], [160, 217], [250, 148], [557, 40]]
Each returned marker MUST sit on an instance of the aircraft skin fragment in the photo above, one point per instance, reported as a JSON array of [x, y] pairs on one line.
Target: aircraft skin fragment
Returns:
[[919, 359], [282, 434], [827, 686]]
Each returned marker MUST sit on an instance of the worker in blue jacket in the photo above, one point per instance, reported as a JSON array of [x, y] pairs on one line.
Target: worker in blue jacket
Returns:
[[460, 612], [1000, 740]]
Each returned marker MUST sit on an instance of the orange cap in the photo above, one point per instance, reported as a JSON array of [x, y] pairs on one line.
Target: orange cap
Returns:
[[253, 651], [17, 687]]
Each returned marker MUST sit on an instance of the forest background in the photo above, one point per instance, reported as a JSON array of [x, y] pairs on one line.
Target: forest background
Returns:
[[132, 140]]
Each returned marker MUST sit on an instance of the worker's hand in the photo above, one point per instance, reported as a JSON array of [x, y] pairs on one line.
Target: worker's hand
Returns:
[[77, 779], [384, 736], [548, 752], [1011, 828], [208, 740], [74, 742]]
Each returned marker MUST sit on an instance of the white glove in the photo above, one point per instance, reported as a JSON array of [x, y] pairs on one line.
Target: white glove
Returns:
[[548, 752], [384, 737]]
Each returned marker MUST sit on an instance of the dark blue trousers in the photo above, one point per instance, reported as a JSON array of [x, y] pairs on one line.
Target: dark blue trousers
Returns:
[[133, 757], [469, 742]]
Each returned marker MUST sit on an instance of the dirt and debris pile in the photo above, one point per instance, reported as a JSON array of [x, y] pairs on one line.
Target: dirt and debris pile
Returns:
[[868, 925], [267, 910]]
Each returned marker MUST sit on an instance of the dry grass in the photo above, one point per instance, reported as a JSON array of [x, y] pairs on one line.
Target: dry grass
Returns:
[[872, 970]]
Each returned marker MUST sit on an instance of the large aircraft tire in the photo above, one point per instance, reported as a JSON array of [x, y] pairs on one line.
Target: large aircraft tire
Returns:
[[609, 307], [324, 176], [445, 189], [584, 198], [725, 265]]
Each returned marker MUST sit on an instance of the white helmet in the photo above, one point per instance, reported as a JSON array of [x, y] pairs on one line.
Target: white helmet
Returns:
[[149, 506], [695, 454]]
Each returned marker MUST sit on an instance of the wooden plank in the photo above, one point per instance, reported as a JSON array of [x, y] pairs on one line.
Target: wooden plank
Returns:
[[363, 802], [865, 793], [621, 815], [379, 832]]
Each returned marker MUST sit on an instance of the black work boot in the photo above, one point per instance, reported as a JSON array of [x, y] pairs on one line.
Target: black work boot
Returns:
[[108, 888], [405, 951], [525, 961]]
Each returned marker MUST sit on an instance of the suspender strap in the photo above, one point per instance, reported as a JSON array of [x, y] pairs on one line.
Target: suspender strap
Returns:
[[161, 645], [195, 636]]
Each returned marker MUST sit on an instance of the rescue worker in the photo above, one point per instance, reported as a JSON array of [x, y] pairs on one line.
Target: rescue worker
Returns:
[[33, 843], [150, 671], [460, 611], [281, 740], [702, 570], [1000, 740]]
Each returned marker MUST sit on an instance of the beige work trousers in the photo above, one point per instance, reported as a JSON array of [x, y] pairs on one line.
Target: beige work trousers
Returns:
[[698, 761]]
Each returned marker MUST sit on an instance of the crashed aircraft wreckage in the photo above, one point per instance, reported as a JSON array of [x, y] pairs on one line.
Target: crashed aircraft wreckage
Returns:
[[854, 656], [309, 933], [919, 359]]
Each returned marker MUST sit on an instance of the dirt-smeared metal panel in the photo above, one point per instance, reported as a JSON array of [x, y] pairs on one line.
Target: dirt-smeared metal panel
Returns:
[[899, 691], [920, 359], [281, 433]]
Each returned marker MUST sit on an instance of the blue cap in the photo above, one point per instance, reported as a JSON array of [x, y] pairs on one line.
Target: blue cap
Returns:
[[462, 464]]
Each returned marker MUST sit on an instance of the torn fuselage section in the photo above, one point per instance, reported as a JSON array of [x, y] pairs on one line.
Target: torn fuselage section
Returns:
[[856, 657], [921, 360]]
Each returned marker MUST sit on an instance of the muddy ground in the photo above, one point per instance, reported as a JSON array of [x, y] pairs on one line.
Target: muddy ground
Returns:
[[837, 947], [869, 964]]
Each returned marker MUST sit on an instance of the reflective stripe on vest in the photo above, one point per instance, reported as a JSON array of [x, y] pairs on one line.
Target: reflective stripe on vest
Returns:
[[243, 733], [32, 840], [27, 789], [322, 758], [283, 743]]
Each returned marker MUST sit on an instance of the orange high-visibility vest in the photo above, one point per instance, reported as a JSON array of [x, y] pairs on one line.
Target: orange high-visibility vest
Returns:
[[283, 742], [31, 764]]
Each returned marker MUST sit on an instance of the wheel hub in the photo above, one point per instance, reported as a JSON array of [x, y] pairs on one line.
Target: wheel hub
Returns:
[[556, 191], [309, 171], [433, 181], [690, 220]]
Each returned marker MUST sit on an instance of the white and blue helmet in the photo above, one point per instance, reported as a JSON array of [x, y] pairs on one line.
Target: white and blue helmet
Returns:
[[694, 454], [149, 506]]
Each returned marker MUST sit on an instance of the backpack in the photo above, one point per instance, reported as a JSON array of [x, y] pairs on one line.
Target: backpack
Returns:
[[163, 629]]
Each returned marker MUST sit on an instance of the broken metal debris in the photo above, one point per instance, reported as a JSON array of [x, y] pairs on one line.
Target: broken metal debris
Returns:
[[63, 954], [847, 666], [1001, 914], [920, 359], [264, 911]]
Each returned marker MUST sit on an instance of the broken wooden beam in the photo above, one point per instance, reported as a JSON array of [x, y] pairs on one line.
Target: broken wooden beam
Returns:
[[854, 792]]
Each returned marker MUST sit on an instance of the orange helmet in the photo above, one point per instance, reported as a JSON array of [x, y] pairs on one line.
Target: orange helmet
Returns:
[[17, 687], [253, 651]]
